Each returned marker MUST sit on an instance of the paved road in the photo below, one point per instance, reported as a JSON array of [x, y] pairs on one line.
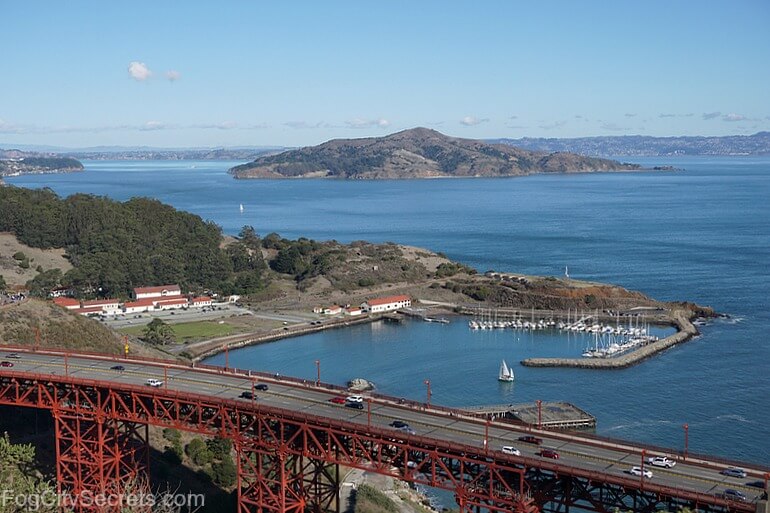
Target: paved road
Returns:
[[617, 459]]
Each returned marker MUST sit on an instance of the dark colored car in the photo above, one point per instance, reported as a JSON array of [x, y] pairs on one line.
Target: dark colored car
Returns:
[[337, 400], [398, 424], [549, 453], [756, 484], [117, 368], [734, 472], [246, 395], [531, 439], [357, 406], [260, 386], [733, 495], [6, 364]]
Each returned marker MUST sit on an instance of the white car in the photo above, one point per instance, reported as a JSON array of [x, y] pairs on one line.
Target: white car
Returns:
[[355, 399], [661, 461], [155, 382], [637, 471], [509, 449]]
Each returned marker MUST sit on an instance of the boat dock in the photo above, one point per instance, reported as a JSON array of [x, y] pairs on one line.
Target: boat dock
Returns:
[[551, 415]]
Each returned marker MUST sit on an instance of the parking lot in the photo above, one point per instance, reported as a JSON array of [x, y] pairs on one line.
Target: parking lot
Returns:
[[174, 316]]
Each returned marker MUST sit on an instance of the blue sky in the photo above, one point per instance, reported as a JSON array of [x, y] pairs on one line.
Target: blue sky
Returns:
[[189, 73]]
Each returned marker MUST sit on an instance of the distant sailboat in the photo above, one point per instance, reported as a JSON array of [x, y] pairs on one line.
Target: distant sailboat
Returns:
[[241, 208], [506, 373]]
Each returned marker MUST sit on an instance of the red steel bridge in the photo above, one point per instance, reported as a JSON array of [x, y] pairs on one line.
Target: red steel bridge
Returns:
[[291, 439]]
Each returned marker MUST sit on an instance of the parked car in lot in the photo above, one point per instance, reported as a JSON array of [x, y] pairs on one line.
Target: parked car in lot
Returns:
[[117, 368], [6, 364], [549, 453], [247, 395], [734, 472], [398, 424], [733, 495], [261, 386], [337, 400], [637, 471], [509, 449], [661, 461], [154, 382], [357, 406], [355, 399], [531, 439]]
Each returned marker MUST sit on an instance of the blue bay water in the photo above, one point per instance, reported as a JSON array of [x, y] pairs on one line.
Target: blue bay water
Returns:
[[701, 234]]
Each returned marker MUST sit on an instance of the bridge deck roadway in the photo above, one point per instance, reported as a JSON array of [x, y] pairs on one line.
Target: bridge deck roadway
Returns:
[[701, 475]]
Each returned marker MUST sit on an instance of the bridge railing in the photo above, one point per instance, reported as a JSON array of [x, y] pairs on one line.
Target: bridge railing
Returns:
[[586, 438]]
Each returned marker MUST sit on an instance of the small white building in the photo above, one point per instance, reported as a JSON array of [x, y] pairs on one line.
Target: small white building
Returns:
[[386, 304], [200, 301], [333, 310], [143, 305], [318, 310], [353, 311], [108, 306], [157, 292]]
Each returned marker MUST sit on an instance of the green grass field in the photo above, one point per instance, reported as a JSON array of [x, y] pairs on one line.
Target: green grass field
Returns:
[[186, 331]]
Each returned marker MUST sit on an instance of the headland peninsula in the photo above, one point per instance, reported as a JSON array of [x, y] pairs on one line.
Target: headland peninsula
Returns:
[[92, 248]]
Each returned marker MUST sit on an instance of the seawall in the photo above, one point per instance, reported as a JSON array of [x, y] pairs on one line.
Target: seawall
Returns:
[[686, 330]]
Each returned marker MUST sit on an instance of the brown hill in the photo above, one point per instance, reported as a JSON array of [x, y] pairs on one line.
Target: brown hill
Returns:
[[417, 153]]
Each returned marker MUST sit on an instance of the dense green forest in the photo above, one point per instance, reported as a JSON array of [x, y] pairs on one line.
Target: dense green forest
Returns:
[[116, 246]]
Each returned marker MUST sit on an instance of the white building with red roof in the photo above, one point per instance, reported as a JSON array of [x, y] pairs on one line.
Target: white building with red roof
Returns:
[[200, 301], [108, 306], [157, 292], [386, 304], [139, 306], [67, 302]]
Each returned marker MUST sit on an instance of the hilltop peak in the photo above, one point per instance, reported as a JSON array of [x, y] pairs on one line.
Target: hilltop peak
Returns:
[[415, 153]]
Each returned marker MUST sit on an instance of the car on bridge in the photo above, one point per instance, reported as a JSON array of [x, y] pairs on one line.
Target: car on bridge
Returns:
[[154, 382], [731, 494], [398, 424], [549, 453], [355, 399], [638, 471], [509, 449], [261, 386], [337, 400], [407, 430], [661, 461], [118, 368], [734, 472], [13, 355], [357, 406], [531, 439], [247, 395], [6, 364]]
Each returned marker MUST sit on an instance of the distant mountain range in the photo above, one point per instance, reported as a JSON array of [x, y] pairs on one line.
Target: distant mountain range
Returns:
[[417, 153], [646, 146], [146, 152]]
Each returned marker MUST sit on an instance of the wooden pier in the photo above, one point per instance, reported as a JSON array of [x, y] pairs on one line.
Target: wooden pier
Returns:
[[548, 415]]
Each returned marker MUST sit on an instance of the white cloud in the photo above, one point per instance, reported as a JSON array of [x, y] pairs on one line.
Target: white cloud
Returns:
[[472, 121], [139, 71], [711, 115], [368, 123], [733, 117], [666, 115], [173, 75], [224, 125], [10, 128], [630, 114], [153, 125], [613, 127]]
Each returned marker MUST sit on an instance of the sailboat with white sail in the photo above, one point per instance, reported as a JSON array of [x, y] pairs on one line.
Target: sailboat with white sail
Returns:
[[506, 373], [241, 208]]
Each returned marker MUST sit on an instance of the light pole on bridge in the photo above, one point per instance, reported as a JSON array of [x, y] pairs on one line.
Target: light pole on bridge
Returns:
[[427, 383], [686, 430], [641, 474], [318, 373], [227, 358], [539, 414]]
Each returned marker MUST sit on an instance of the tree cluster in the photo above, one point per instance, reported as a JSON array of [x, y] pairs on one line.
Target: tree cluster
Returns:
[[116, 246]]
